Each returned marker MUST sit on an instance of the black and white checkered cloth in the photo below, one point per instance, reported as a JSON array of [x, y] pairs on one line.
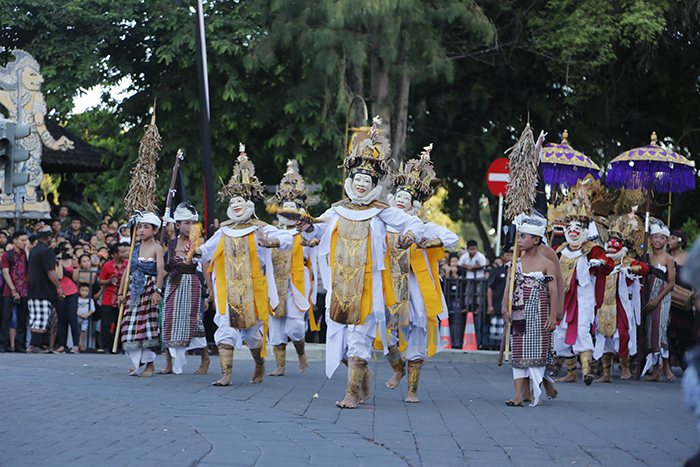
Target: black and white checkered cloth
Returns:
[[39, 314]]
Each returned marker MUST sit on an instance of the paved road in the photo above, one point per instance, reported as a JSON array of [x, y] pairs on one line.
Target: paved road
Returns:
[[82, 410]]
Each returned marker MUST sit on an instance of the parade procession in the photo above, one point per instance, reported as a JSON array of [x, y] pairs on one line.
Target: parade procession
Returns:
[[190, 187]]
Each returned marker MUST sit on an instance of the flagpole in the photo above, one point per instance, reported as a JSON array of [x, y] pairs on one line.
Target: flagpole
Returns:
[[204, 120], [166, 216]]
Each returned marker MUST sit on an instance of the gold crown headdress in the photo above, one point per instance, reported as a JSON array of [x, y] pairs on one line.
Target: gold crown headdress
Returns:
[[292, 188], [626, 227], [243, 182], [416, 176], [579, 208], [369, 153]]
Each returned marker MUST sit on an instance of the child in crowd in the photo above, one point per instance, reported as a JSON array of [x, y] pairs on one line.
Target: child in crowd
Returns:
[[86, 307]]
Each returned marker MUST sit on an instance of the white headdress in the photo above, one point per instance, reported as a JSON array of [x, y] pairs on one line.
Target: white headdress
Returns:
[[533, 225], [659, 228], [147, 217], [185, 212]]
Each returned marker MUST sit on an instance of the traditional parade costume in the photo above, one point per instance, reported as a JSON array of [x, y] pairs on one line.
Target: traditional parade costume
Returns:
[[293, 276], [619, 313], [181, 325], [352, 253], [530, 340], [140, 336], [582, 263], [244, 293], [415, 300], [657, 320]]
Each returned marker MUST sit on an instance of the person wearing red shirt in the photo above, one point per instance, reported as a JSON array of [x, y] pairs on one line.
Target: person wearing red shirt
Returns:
[[14, 271], [110, 278]]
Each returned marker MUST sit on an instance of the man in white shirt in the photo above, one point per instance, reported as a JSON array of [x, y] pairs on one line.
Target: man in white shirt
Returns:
[[473, 262]]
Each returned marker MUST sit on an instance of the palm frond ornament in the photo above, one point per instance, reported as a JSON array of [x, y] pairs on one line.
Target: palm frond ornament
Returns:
[[522, 187], [142, 189]]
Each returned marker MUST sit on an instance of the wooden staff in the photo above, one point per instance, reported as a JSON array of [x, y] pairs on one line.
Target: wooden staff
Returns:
[[178, 158], [123, 289], [505, 340]]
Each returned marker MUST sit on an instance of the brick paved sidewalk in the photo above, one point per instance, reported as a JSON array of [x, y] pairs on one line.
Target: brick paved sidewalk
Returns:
[[82, 410]]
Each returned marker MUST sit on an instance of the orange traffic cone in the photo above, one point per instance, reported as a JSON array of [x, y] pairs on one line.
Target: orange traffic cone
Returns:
[[469, 334], [445, 340]]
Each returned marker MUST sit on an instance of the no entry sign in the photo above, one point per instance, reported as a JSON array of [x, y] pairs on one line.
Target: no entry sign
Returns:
[[498, 176]]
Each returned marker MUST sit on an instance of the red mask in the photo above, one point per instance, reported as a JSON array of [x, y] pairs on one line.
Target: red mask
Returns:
[[614, 245]]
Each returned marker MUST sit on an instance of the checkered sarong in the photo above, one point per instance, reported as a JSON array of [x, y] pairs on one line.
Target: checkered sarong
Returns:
[[140, 322], [531, 345], [39, 314], [181, 317]]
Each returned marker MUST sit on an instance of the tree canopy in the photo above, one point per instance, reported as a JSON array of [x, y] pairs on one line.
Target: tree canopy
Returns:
[[465, 75]]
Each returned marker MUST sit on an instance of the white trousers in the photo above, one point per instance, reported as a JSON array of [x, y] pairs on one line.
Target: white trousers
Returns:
[[345, 341], [584, 341], [139, 356], [416, 341], [253, 337], [536, 374], [178, 353], [653, 359], [287, 328]]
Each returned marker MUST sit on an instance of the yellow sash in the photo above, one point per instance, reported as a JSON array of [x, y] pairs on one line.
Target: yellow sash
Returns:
[[366, 300], [262, 303], [297, 268], [430, 291]]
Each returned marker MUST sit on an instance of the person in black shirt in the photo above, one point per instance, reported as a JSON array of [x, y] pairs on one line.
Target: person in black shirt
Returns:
[[75, 234], [498, 277], [44, 289]]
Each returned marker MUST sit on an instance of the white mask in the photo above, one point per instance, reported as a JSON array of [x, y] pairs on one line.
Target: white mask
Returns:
[[288, 206], [576, 233], [240, 210]]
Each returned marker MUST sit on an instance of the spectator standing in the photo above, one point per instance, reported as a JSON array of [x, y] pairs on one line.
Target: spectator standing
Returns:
[[3, 239], [56, 228], [85, 309], [14, 271], [44, 289], [494, 296], [67, 309], [473, 261], [112, 229], [75, 233], [110, 278], [63, 217]]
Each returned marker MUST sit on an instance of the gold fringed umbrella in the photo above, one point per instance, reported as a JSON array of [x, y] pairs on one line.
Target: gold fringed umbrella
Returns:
[[141, 197]]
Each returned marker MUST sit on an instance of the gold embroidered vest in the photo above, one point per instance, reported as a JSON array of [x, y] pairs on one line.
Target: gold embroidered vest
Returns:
[[349, 260], [400, 267], [239, 282], [568, 265], [607, 313]]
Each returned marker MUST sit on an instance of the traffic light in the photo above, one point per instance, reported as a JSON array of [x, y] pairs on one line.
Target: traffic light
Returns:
[[11, 155]]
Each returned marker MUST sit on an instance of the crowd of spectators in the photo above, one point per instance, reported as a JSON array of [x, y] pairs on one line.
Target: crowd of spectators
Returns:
[[87, 265]]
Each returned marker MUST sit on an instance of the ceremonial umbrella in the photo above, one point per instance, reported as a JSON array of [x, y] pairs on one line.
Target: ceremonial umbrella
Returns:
[[652, 168], [564, 165]]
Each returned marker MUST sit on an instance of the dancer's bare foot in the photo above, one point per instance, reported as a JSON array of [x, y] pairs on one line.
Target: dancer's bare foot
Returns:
[[224, 381], [515, 402], [82, 348], [258, 375], [668, 374], [412, 397], [148, 371], [303, 363], [604, 379], [550, 389], [626, 374], [394, 381], [366, 386], [572, 378], [132, 369], [349, 402], [168, 370], [204, 366], [654, 376], [278, 372]]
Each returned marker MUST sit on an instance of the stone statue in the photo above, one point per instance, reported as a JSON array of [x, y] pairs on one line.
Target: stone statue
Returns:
[[20, 94]]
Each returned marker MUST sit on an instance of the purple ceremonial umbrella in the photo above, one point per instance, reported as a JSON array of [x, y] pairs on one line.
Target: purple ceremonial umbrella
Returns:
[[564, 165], [652, 168]]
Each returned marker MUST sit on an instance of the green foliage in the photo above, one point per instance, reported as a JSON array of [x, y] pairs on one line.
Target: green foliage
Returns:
[[691, 228]]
